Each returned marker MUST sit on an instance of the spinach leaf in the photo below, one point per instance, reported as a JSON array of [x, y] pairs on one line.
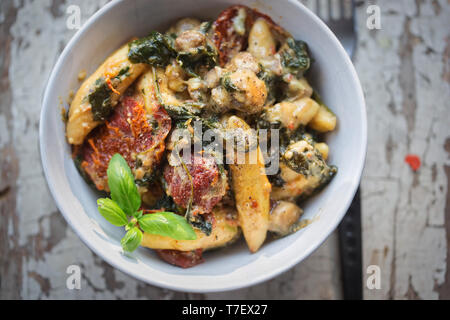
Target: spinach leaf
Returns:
[[167, 224], [155, 50], [181, 113], [166, 202], [273, 84], [192, 60], [147, 179], [228, 84], [123, 72], [111, 211], [100, 100], [294, 56], [306, 159], [299, 163], [276, 179], [122, 186], [200, 223]]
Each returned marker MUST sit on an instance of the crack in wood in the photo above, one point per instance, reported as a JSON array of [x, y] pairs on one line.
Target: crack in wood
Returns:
[[4, 192], [407, 76], [43, 282], [444, 288], [446, 61], [412, 293], [10, 254]]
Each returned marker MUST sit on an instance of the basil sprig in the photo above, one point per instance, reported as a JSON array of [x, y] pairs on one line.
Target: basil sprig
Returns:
[[121, 183], [167, 224], [111, 211], [123, 210], [132, 239]]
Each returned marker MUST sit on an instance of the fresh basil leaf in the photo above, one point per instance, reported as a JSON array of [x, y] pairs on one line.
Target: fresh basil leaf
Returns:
[[167, 224], [122, 186], [138, 214], [132, 239], [112, 212]]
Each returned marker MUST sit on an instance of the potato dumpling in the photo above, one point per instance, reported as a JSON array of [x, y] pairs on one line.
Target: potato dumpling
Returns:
[[324, 120], [283, 216], [293, 114], [251, 190], [298, 88], [295, 184], [248, 90], [261, 43], [243, 60], [323, 148], [224, 231], [98, 94], [184, 24]]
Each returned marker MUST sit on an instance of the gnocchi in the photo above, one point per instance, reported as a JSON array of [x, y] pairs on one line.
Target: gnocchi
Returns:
[[155, 101]]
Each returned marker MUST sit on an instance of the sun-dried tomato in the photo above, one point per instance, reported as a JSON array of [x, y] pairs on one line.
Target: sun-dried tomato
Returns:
[[225, 37], [208, 185], [182, 259], [127, 132]]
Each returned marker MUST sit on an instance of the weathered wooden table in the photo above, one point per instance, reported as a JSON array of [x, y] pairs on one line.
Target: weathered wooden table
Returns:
[[405, 72]]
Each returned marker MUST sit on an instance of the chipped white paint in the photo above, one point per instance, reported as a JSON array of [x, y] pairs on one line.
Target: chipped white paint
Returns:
[[403, 213], [408, 101]]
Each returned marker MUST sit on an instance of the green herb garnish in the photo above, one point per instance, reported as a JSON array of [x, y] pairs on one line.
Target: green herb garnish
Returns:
[[132, 239], [123, 209], [228, 85], [100, 100], [273, 84], [155, 50], [123, 72], [295, 57], [192, 60], [121, 183], [167, 224]]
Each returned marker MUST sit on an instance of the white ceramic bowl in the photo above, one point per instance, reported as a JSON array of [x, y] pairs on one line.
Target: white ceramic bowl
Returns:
[[234, 267]]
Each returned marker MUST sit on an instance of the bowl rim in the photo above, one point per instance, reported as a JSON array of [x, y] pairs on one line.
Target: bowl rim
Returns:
[[355, 181]]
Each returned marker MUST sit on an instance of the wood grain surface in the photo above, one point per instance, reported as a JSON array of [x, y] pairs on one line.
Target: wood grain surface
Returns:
[[405, 73]]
